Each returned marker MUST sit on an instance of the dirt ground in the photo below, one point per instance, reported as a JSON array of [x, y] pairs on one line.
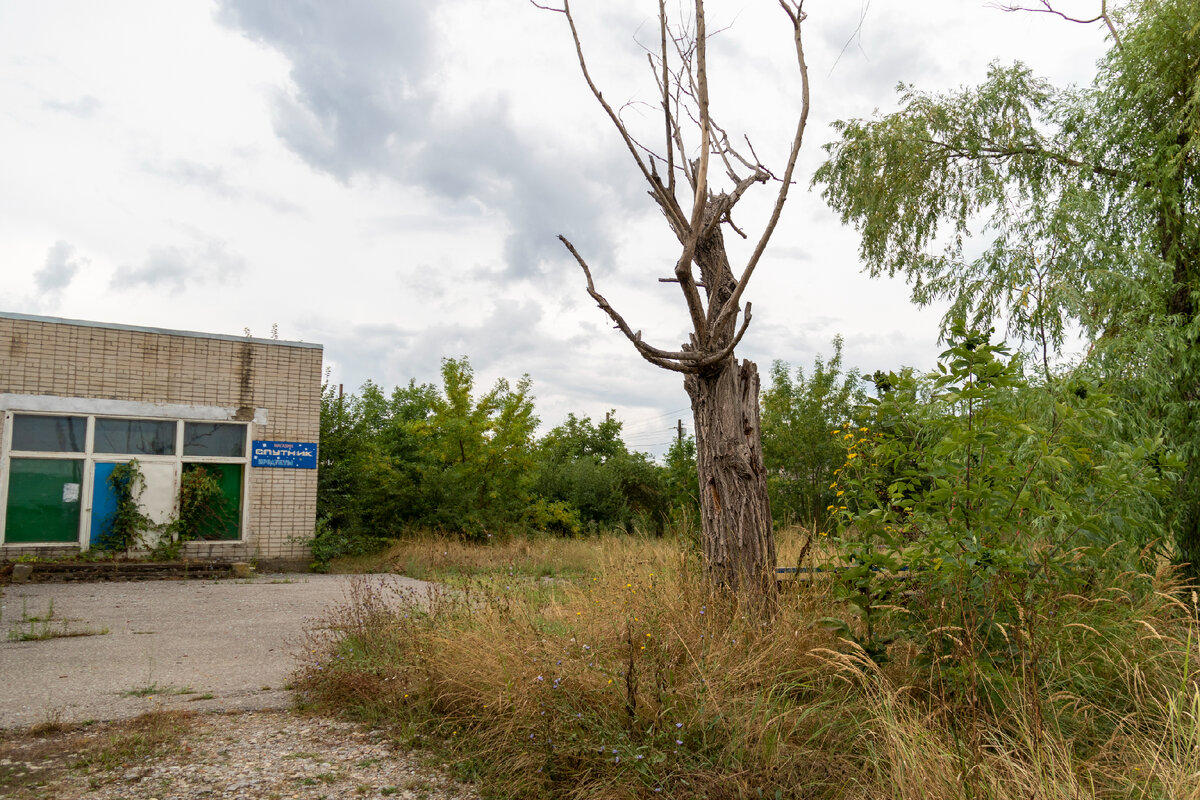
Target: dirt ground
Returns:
[[73, 653]]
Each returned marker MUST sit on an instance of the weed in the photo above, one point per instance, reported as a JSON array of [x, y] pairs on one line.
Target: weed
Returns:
[[48, 626], [153, 689], [634, 677], [150, 735]]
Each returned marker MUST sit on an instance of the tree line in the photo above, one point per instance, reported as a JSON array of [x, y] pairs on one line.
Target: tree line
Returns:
[[454, 459], [457, 459]]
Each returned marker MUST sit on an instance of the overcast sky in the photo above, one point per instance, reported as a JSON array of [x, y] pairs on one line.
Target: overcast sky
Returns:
[[388, 178]]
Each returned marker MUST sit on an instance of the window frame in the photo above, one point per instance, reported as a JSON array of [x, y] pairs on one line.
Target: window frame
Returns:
[[90, 458]]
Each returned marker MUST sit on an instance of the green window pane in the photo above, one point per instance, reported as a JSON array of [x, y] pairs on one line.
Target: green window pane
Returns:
[[45, 434], [43, 500], [217, 518], [138, 437], [218, 439]]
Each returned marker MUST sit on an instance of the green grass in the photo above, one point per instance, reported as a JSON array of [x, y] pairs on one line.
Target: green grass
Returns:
[[40, 631], [47, 625]]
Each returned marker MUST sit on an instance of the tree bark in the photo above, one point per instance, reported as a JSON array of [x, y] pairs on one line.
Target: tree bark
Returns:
[[735, 513]]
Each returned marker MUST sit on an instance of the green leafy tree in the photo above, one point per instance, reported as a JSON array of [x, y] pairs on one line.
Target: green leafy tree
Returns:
[[681, 483], [800, 454], [369, 476], [587, 467], [578, 437], [394, 494], [479, 452], [1085, 201]]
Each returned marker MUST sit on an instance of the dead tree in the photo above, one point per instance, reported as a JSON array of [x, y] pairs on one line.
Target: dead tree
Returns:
[[738, 542]]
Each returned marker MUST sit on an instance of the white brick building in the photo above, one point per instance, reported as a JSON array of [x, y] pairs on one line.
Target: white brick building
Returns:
[[78, 397]]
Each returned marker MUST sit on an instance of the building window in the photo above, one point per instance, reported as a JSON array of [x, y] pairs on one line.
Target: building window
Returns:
[[55, 490], [135, 437], [43, 500], [219, 522], [44, 434], [214, 439]]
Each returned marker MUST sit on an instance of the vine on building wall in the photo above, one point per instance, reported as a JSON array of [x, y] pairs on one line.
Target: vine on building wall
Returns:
[[127, 524], [200, 507]]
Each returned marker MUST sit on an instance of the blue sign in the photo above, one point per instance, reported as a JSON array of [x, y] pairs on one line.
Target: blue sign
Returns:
[[293, 455]]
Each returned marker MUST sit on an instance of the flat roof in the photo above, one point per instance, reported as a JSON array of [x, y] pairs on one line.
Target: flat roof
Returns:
[[163, 331]]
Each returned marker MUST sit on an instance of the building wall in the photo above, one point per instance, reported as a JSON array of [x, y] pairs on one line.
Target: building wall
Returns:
[[275, 385]]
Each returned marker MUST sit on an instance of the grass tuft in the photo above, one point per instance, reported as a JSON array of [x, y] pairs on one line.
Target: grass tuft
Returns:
[[151, 735]]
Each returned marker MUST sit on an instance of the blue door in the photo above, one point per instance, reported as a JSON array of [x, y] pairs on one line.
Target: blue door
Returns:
[[104, 502]]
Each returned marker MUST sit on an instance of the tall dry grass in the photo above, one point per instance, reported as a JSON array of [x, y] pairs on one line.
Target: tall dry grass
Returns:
[[637, 681]]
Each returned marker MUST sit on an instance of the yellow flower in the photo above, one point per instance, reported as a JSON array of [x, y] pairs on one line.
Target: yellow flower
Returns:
[[851, 455], [833, 485], [841, 492], [862, 430], [839, 430]]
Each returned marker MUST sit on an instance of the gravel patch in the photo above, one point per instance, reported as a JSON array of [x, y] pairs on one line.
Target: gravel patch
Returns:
[[263, 755]]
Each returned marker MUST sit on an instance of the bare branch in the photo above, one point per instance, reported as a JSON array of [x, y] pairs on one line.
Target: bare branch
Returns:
[[669, 206], [1047, 8], [724, 352], [701, 189], [998, 152], [795, 12], [676, 280], [666, 97], [679, 361], [687, 282]]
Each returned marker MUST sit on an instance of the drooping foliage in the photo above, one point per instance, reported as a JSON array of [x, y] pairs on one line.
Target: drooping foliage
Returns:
[[1050, 208]]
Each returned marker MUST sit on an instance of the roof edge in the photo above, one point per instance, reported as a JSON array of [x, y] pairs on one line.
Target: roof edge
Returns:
[[162, 331]]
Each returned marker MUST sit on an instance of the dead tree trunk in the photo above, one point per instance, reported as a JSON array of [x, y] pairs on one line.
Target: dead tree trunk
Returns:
[[735, 513], [739, 546]]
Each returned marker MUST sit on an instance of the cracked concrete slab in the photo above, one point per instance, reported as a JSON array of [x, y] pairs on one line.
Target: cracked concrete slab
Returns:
[[198, 644]]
